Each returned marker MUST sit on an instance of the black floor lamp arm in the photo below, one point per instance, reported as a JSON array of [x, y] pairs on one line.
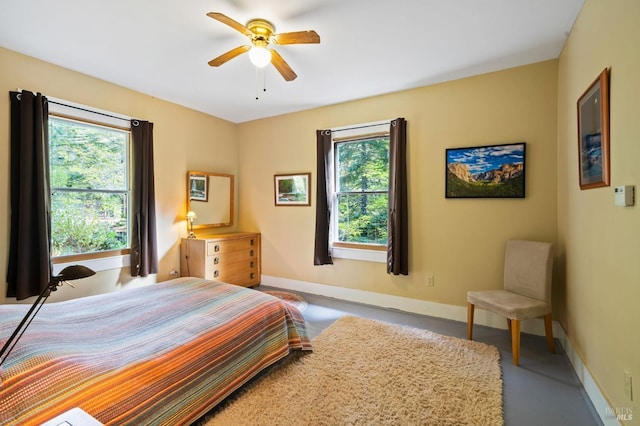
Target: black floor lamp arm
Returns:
[[13, 339]]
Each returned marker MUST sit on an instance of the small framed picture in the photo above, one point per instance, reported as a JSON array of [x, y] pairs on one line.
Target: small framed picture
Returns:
[[198, 188], [492, 171], [593, 134], [292, 189]]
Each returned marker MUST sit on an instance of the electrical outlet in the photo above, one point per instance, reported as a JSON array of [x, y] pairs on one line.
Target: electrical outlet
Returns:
[[628, 385], [431, 281]]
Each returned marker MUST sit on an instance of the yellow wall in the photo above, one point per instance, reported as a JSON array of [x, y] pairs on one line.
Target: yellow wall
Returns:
[[459, 241], [599, 242], [183, 140]]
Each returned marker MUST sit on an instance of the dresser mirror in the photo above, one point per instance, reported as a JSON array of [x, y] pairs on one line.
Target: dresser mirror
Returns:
[[210, 197]]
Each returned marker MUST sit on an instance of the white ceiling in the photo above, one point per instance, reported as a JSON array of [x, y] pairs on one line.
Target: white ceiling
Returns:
[[368, 47]]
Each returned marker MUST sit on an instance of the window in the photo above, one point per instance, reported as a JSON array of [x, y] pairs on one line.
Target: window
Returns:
[[90, 191], [361, 183]]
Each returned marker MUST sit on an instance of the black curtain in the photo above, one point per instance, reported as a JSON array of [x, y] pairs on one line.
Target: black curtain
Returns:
[[144, 245], [29, 269], [321, 252], [398, 226]]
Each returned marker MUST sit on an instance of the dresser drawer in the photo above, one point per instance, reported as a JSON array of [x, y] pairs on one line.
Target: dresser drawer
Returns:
[[248, 257], [224, 246], [241, 273]]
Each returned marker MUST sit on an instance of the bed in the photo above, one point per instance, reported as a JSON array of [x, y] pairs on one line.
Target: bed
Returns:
[[162, 354]]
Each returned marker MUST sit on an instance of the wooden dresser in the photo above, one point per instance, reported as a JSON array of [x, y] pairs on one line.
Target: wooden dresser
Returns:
[[231, 258]]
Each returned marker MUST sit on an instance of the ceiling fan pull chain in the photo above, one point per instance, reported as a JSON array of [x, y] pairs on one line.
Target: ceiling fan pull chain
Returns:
[[264, 82], [257, 70]]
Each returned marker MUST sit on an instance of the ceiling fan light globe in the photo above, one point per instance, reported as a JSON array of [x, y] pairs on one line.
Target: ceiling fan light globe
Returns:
[[260, 56]]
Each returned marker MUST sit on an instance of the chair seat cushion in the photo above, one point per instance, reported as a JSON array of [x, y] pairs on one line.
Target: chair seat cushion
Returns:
[[508, 304]]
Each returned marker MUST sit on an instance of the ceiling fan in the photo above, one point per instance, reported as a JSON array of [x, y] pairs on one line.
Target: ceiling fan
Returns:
[[262, 33]]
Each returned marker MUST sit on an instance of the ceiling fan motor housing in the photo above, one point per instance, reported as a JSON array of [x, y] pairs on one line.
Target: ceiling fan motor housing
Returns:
[[262, 31]]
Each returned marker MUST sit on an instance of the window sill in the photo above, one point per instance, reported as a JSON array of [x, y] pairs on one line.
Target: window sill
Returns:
[[379, 256], [97, 264]]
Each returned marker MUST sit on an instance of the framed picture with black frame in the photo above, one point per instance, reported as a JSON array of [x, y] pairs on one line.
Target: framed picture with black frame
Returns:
[[491, 171]]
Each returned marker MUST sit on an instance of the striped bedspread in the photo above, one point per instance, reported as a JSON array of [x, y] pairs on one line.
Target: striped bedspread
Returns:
[[162, 354]]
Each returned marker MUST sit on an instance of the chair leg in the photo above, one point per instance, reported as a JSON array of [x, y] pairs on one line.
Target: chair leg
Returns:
[[515, 341], [470, 308], [548, 331]]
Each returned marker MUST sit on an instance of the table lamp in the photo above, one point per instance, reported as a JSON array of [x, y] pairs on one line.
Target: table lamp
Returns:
[[190, 216]]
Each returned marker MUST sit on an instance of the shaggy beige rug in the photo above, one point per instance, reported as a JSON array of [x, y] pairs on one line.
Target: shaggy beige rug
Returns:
[[365, 372]]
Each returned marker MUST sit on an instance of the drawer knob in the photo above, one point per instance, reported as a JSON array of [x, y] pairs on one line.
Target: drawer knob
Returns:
[[216, 274], [216, 260], [251, 264], [252, 241], [251, 253], [252, 275], [216, 247]]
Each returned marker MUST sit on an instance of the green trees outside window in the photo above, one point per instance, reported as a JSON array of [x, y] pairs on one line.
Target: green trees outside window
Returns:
[[362, 182], [89, 171]]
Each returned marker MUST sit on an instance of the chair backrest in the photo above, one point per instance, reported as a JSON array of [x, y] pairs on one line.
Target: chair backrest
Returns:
[[528, 268]]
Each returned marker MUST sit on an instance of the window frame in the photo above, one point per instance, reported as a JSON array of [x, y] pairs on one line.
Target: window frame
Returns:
[[344, 250], [107, 259]]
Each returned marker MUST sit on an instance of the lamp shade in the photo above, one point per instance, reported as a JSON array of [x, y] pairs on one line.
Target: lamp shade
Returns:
[[191, 215], [75, 272], [260, 56]]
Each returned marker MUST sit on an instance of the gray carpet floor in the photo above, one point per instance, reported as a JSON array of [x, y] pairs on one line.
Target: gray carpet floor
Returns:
[[543, 390]]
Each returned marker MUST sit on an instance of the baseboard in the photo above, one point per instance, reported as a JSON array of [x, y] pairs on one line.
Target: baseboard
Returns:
[[456, 313], [600, 404], [406, 304]]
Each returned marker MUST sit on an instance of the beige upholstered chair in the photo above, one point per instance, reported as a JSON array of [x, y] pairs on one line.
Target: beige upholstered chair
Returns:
[[527, 291]]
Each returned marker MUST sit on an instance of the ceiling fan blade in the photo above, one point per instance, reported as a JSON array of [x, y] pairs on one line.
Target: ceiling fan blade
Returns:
[[230, 22], [225, 57], [297, 37], [283, 68]]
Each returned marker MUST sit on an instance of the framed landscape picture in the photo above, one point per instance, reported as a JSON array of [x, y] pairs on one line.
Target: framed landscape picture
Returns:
[[292, 190], [593, 134], [492, 171], [198, 188]]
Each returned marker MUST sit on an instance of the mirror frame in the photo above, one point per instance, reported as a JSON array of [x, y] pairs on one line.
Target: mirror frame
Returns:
[[211, 198]]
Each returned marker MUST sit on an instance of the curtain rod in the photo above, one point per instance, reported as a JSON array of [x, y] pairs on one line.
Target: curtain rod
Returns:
[[380, 123], [89, 110], [19, 90]]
